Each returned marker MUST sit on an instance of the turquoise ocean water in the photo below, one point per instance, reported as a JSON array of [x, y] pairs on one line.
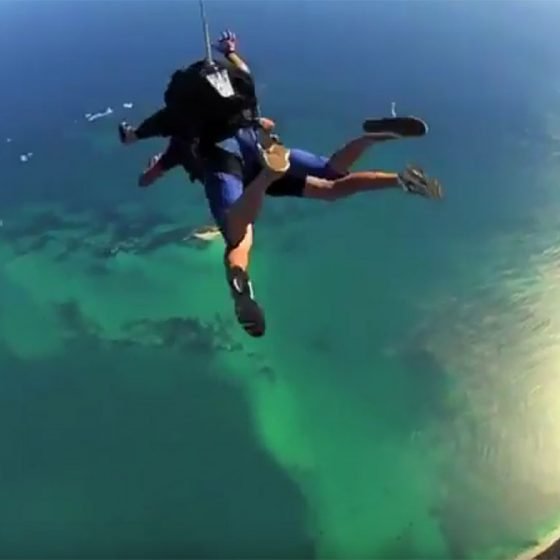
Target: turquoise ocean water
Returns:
[[404, 401]]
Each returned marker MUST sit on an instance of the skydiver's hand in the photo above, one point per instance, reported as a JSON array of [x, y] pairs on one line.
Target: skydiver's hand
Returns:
[[266, 124], [227, 43], [127, 134]]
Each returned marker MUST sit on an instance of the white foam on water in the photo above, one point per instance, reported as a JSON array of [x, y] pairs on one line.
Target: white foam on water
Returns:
[[24, 158], [95, 116]]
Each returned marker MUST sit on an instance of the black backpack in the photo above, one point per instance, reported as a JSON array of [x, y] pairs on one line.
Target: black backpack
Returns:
[[199, 111]]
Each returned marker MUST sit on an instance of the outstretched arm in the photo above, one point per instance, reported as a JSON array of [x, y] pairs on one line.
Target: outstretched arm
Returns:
[[227, 45], [158, 124], [238, 62]]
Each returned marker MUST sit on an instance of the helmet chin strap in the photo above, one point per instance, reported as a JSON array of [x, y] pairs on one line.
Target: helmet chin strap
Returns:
[[218, 79]]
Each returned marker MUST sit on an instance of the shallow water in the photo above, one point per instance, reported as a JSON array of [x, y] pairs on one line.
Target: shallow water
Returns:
[[402, 404]]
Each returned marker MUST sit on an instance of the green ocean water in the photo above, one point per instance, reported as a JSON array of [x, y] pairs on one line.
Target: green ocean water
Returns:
[[403, 403]]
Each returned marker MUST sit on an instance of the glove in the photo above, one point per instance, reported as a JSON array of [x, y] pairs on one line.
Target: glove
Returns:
[[227, 43]]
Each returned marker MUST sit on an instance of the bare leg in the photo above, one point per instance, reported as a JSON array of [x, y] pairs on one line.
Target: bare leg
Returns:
[[245, 210], [247, 207], [412, 180], [350, 184], [238, 233], [236, 261], [344, 158], [237, 256]]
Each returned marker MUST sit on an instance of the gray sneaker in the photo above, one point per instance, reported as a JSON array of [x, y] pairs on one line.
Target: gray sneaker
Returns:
[[415, 181]]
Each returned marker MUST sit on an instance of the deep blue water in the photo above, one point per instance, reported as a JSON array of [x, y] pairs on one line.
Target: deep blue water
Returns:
[[415, 392]]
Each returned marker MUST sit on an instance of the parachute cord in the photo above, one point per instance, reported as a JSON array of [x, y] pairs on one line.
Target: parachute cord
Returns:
[[206, 33]]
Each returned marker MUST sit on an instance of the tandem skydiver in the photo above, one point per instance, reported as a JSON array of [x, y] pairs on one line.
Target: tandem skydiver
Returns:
[[182, 119], [206, 103], [239, 170], [235, 197]]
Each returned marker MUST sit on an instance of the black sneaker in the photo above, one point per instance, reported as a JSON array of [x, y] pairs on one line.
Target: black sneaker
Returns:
[[415, 181], [395, 127], [248, 312]]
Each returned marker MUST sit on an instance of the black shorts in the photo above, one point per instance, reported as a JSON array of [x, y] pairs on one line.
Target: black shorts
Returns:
[[288, 185]]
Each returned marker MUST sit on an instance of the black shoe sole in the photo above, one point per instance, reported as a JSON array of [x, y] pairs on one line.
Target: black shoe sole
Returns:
[[250, 316], [402, 126]]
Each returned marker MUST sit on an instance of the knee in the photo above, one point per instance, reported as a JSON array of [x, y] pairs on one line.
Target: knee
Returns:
[[335, 191], [321, 189], [330, 192], [237, 238]]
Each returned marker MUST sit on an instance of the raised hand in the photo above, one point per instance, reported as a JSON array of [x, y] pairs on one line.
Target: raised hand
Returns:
[[227, 43]]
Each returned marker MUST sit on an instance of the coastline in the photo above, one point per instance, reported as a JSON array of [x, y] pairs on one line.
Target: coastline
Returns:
[[547, 548]]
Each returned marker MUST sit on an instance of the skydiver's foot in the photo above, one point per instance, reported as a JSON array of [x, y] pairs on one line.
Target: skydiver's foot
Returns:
[[247, 310], [395, 127], [414, 181], [127, 134], [152, 173]]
